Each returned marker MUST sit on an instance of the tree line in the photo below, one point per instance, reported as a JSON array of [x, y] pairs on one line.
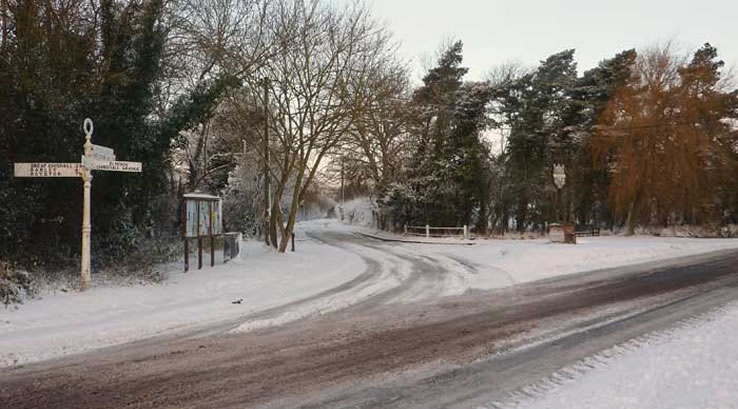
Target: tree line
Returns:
[[266, 102], [646, 139]]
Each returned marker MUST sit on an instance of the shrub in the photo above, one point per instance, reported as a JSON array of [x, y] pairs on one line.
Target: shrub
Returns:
[[15, 285]]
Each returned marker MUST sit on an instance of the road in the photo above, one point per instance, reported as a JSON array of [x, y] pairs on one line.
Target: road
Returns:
[[409, 345]]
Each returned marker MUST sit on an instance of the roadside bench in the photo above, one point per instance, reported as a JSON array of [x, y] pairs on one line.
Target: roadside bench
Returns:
[[583, 231]]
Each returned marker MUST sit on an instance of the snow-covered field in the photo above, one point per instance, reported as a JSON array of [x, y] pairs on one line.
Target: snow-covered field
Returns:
[[64, 323], [691, 367]]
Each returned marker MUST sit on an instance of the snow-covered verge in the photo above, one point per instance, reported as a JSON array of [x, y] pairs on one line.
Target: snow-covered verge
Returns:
[[15, 285], [521, 261], [730, 230], [64, 323], [500, 263], [694, 366]]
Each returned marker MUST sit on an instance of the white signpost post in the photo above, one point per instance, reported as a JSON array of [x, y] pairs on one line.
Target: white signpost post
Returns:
[[96, 157], [561, 232], [559, 175]]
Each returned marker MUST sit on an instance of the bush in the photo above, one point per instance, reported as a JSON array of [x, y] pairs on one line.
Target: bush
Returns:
[[15, 285]]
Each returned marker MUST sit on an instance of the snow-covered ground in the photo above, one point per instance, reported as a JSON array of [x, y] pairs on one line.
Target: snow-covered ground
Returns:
[[522, 261], [501, 263], [691, 367], [64, 323]]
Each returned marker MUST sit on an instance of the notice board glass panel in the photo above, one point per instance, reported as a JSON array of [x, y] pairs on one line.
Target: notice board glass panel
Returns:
[[217, 218], [191, 216], [204, 218]]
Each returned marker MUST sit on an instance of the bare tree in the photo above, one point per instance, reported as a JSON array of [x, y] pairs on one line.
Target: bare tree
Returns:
[[376, 140], [209, 41], [316, 90]]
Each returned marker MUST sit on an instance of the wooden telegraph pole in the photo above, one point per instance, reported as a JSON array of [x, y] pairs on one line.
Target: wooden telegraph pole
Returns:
[[95, 157]]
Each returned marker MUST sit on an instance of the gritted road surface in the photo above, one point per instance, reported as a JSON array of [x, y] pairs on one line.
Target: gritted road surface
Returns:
[[404, 346]]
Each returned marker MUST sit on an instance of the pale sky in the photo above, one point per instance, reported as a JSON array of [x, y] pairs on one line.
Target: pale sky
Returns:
[[497, 31]]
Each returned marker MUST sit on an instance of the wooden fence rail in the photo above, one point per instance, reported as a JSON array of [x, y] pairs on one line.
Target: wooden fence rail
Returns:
[[434, 231]]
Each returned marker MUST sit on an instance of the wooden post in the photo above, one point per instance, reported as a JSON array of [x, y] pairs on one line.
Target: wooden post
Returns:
[[184, 234], [226, 244], [405, 227], [466, 232], [212, 238], [199, 253], [199, 239], [343, 195], [427, 231], [187, 254]]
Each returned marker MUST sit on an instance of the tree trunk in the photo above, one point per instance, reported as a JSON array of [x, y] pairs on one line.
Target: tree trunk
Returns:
[[296, 198], [631, 222], [273, 223]]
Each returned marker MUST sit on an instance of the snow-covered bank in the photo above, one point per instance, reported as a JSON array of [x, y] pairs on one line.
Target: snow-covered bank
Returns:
[[693, 367], [67, 323]]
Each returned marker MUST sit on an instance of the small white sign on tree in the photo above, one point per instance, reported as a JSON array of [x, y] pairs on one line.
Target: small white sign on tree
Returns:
[[96, 157]]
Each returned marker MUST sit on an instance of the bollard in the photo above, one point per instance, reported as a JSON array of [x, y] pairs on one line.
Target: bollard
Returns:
[[427, 231], [293, 242], [466, 232]]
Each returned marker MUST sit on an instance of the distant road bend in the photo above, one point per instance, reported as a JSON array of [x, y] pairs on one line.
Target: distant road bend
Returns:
[[430, 352]]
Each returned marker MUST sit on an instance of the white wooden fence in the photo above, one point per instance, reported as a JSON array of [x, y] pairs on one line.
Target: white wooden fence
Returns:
[[431, 231]]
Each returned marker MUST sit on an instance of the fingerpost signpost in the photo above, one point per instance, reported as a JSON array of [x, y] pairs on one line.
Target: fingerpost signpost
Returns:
[[563, 231], [96, 157]]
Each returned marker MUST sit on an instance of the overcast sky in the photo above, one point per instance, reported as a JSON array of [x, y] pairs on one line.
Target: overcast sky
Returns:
[[496, 31]]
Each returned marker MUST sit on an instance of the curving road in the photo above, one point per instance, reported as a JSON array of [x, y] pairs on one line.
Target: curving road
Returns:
[[411, 339]]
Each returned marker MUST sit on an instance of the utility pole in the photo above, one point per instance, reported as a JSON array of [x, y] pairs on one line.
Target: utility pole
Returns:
[[343, 194], [267, 192]]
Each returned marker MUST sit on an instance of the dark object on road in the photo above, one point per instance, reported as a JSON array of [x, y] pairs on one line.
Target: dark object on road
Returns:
[[238, 301]]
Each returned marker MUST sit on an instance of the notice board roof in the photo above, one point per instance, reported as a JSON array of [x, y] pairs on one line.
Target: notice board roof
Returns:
[[200, 196]]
